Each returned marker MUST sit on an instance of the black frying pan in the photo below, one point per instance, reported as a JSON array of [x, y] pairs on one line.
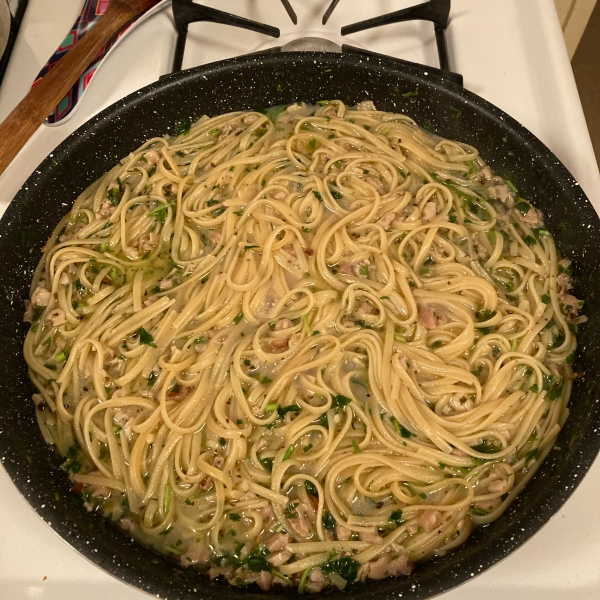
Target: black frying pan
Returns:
[[258, 81]]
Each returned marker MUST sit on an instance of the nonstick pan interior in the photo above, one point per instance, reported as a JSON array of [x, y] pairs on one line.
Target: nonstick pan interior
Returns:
[[259, 81]]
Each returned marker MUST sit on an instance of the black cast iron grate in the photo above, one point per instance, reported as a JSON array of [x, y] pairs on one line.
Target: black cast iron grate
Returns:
[[186, 12], [437, 12]]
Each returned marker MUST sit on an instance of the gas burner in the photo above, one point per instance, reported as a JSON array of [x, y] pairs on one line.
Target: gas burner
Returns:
[[311, 44]]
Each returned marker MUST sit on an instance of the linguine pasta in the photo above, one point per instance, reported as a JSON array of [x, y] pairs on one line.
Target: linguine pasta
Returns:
[[306, 347]]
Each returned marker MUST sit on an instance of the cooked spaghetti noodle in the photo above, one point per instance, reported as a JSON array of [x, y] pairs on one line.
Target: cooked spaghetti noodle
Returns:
[[305, 347]]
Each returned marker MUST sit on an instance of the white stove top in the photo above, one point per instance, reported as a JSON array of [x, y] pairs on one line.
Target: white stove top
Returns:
[[511, 52]]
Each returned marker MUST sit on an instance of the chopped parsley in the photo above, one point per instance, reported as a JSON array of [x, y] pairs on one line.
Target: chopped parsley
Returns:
[[257, 560], [115, 194], [523, 207], [346, 567], [182, 126], [290, 510], [412, 94], [37, 317], [146, 339], [267, 463], [486, 315], [479, 512], [488, 447], [283, 410], [160, 212], [339, 403], [311, 488], [328, 521], [396, 517], [531, 455], [405, 433]]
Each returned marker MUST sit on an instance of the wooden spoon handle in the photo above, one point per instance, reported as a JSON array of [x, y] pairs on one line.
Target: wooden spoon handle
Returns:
[[33, 110]]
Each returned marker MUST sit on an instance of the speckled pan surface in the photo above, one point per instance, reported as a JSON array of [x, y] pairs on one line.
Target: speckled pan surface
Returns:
[[258, 81]]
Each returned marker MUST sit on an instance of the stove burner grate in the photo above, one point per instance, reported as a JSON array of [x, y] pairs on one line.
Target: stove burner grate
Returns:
[[186, 12], [437, 12]]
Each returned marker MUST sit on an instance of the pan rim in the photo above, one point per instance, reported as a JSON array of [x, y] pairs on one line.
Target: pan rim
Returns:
[[500, 119]]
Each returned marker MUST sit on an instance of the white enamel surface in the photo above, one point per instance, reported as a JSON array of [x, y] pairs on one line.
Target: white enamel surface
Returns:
[[510, 52]]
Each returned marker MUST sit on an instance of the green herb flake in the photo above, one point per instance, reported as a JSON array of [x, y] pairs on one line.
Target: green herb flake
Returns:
[[412, 94], [346, 567], [328, 521], [167, 499], [311, 488], [339, 403], [182, 126], [523, 207], [283, 410], [396, 517], [405, 433], [146, 339], [479, 512], [485, 315], [290, 510], [160, 212], [531, 455], [267, 463], [289, 452], [487, 447]]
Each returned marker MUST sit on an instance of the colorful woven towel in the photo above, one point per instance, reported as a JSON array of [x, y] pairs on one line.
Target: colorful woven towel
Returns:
[[92, 10]]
